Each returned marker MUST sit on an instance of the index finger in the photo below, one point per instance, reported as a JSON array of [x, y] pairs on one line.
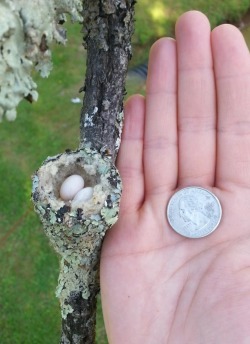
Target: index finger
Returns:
[[160, 141]]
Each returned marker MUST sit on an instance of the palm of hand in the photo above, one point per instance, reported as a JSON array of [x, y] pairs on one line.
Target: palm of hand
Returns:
[[158, 287]]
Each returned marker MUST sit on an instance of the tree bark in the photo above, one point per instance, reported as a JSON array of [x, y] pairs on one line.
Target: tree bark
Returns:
[[79, 326], [74, 330], [108, 27]]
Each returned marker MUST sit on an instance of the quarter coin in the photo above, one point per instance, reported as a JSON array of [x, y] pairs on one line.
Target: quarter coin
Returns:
[[194, 212]]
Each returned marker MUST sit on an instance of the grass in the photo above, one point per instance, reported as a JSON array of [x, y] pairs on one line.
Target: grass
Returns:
[[29, 311], [157, 18]]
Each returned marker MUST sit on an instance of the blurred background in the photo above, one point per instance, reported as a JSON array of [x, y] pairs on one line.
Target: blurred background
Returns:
[[29, 310]]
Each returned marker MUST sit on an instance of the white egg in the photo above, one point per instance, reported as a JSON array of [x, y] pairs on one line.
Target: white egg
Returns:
[[84, 195], [71, 186]]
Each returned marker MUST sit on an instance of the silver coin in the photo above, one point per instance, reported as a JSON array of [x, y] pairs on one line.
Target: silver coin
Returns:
[[194, 212]]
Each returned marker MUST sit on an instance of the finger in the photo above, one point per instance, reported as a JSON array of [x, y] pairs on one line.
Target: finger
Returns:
[[232, 72], [160, 143], [129, 160], [196, 101]]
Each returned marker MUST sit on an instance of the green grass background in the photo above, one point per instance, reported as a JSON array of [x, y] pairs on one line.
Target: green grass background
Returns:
[[29, 311]]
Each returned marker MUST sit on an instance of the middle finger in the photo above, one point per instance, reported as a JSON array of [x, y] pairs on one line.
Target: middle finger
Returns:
[[196, 101]]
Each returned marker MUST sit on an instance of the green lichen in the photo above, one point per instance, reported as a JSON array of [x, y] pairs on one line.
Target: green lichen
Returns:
[[119, 127], [25, 34]]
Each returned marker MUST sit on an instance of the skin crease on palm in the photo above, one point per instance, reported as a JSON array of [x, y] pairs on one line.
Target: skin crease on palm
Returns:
[[192, 128]]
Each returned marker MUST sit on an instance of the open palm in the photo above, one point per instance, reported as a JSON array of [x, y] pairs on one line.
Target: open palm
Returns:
[[193, 128]]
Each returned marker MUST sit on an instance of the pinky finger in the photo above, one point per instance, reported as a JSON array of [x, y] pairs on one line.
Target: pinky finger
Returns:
[[129, 161]]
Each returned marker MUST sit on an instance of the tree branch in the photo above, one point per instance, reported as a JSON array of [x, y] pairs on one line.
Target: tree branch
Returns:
[[76, 231], [108, 27]]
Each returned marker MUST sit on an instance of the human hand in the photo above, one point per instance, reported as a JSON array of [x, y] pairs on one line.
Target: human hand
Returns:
[[193, 128]]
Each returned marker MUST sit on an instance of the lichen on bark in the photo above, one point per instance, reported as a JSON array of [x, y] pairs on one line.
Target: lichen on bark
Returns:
[[25, 35]]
